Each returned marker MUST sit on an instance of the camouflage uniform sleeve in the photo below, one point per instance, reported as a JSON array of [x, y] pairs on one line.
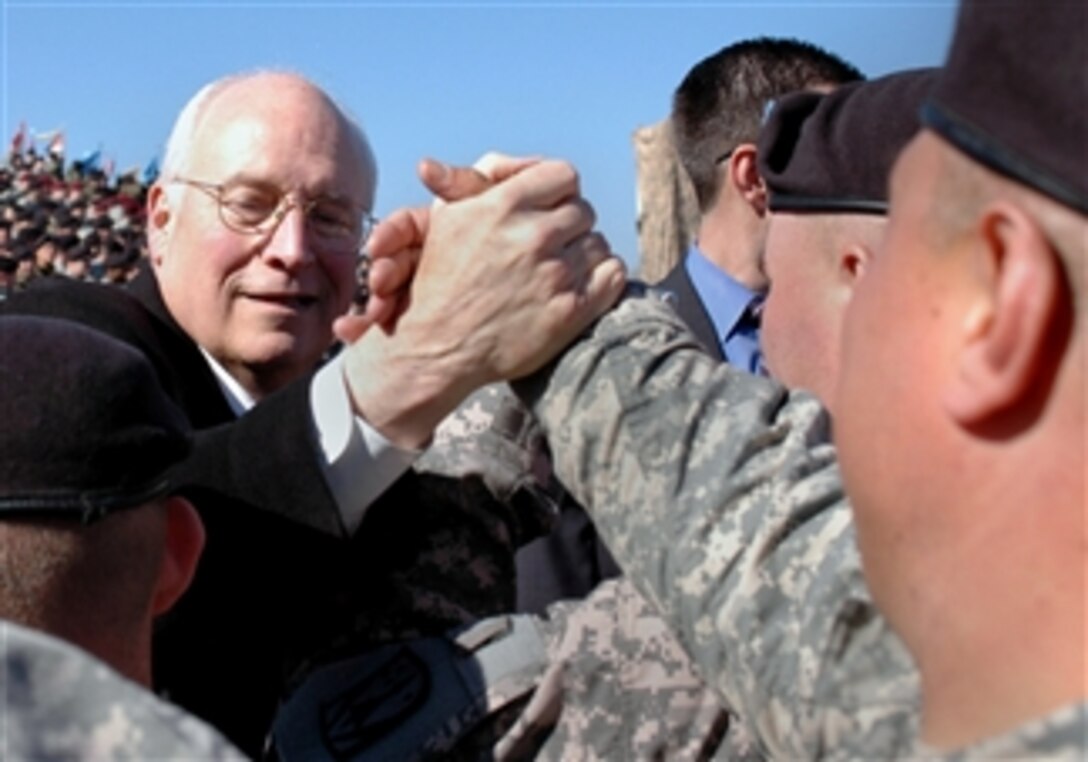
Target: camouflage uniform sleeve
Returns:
[[491, 437], [619, 686], [720, 496]]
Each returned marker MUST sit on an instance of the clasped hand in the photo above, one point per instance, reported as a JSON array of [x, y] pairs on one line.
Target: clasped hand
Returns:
[[488, 283]]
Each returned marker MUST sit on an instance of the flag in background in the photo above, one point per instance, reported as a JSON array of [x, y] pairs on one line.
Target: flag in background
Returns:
[[90, 161], [18, 139], [57, 143], [151, 171]]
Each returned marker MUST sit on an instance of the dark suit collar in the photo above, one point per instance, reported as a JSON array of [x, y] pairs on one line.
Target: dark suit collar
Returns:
[[206, 404], [145, 287], [690, 307]]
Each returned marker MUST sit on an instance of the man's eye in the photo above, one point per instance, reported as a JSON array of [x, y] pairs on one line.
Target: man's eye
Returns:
[[333, 220], [250, 203]]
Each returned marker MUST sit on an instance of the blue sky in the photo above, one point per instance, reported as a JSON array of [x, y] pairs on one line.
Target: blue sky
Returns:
[[444, 79]]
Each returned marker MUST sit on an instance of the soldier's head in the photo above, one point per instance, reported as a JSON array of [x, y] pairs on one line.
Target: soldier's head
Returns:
[[825, 160], [716, 115], [961, 402], [95, 545], [256, 222]]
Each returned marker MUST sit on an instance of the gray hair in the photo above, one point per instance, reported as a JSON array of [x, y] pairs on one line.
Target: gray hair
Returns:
[[180, 141]]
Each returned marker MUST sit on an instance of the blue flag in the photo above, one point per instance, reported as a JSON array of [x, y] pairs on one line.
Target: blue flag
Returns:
[[89, 162], [151, 171]]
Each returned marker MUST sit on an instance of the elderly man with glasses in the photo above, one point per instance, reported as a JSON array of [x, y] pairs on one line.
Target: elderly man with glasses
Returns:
[[254, 230]]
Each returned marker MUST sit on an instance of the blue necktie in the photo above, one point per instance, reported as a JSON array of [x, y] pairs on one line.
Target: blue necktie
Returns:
[[743, 345]]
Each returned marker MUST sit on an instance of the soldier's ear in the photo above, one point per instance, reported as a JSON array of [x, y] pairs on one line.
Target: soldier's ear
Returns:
[[184, 544], [859, 241], [1019, 313]]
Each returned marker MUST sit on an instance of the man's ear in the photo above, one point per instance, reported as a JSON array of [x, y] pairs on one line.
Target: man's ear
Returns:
[[744, 176], [159, 222], [1002, 354], [854, 260], [184, 544]]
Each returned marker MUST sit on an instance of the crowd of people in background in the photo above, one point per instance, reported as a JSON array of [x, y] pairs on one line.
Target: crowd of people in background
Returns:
[[65, 218]]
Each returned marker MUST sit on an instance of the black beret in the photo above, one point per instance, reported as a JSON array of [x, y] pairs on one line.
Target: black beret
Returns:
[[87, 427], [1014, 93], [834, 152]]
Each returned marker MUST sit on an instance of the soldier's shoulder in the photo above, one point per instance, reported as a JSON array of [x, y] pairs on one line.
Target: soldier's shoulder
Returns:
[[1060, 735], [64, 703]]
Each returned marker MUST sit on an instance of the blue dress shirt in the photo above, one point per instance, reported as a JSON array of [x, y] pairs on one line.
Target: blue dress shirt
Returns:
[[733, 309]]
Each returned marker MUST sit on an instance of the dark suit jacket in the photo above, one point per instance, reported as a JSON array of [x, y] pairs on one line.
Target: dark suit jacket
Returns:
[[567, 563], [690, 307], [279, 583]]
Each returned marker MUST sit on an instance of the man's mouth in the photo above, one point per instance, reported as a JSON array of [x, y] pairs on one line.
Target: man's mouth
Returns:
[[285, 300]]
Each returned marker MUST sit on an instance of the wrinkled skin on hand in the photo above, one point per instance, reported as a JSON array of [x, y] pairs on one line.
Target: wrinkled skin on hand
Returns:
[[499, 283]]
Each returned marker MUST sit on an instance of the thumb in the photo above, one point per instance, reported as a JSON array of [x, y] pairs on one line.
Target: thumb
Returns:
[[451, 183]]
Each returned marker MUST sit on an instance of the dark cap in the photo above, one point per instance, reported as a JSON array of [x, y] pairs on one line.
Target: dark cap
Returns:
[[8, 264], [1014, 93], [834, 152], [87, 427]]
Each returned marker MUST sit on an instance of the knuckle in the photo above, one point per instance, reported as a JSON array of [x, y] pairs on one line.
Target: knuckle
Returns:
[[565, 172], [593, 247], [542, 240], [555, 277], [489, 161], [589, 212]]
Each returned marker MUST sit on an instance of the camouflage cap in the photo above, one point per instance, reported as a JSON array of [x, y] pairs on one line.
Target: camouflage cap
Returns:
[[87, 427]]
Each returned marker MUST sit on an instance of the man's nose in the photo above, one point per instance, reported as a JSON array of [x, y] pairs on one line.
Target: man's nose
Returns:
[[287, 239]]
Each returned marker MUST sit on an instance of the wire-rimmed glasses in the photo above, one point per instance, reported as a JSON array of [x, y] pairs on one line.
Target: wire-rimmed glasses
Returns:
[[337, 226]]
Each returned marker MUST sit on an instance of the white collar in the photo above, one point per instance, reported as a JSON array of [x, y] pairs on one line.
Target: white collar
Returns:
[[239, 399]]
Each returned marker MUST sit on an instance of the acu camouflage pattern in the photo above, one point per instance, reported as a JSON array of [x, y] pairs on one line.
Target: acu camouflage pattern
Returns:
[[617, 686], [60, 703], [437, 551], [492, 438], [720, 495], [1062, 735]]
